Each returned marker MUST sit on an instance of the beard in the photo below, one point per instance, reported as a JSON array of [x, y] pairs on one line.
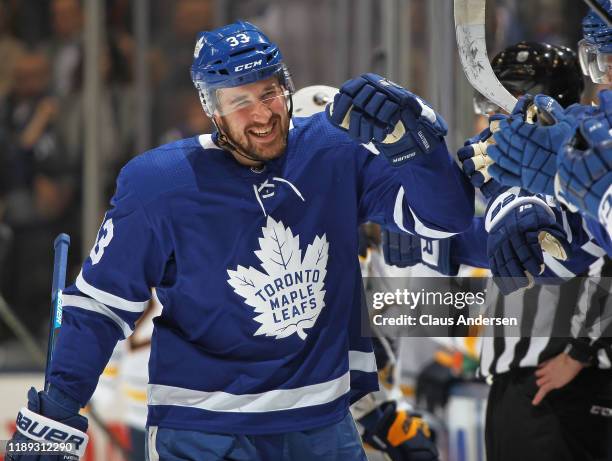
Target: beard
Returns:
[[252, 146]]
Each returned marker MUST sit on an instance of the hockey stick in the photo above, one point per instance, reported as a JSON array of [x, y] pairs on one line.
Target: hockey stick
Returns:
[[472, 46], [60, 260], [600, 10], [470, 32]]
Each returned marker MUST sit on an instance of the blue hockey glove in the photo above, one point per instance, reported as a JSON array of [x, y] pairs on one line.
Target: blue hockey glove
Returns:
[[525, 152], [584, 178], [405, 250], [400, 435], [475, 161], [400, 124], [520, 226], [50, 418]]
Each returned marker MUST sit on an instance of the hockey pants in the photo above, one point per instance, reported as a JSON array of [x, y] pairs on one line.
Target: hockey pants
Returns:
[[337, 442], [562, 428]]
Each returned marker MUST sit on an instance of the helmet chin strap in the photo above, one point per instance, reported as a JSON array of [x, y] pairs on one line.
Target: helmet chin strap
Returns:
[[225, 141]]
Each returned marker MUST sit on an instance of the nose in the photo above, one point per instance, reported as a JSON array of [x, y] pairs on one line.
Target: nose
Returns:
[[261, 112]]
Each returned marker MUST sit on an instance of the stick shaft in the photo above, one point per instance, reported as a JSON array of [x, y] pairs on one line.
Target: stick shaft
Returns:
[[60, 261]]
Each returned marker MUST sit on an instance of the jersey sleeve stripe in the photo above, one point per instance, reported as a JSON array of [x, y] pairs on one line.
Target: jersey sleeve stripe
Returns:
[[557, 268], [425, 231], [109, 298], [95, 306], [566, 226], [593, 249], [362, 361], [274, 400], [419, 227], [398, 210]]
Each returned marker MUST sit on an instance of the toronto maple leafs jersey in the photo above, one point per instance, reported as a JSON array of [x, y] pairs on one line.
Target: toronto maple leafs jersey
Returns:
[[258, 274]]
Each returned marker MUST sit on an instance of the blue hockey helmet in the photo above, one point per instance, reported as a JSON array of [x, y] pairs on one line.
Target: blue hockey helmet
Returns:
[[595, 49], [235, 55]]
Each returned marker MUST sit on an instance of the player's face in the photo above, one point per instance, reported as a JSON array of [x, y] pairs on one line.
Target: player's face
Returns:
[[256, 118]]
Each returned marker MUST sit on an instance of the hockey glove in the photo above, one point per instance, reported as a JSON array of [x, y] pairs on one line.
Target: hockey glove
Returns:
[[525, 152], [475, 161], [406, 250], [584, 178], [520, 226], [403, 437], [399, 123], [50, 420]]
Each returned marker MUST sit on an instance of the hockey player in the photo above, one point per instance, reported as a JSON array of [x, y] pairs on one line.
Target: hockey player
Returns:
[[521, 68], [543, 388], [250, 237], [570, 156]]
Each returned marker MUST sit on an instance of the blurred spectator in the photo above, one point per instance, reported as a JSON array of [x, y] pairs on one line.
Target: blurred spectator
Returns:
[[27, 120], [10, 50], [115, 109], [304, 35], [176, 49], [190, 118], [36, 216], [66, 46], [30, 19]]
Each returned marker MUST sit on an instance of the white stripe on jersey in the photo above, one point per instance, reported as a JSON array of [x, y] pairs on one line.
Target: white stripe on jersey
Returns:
[[274, 400], [362, 361], [108, 298], [593, 249], [95, 306], [398, 210], [557, 268], [419, 228]]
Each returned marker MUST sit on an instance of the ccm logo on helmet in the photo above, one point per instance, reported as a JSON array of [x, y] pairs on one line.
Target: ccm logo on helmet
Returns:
[[44, 432], [248, 65]]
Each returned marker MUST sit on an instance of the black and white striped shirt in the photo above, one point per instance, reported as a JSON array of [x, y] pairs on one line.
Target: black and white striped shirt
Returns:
[[549, 317]]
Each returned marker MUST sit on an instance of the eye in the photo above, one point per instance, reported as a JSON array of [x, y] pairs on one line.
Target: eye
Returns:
[[241, 104], [269, 94]]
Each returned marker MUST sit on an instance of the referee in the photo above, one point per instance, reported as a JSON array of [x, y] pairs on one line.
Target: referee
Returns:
[[551, 381]]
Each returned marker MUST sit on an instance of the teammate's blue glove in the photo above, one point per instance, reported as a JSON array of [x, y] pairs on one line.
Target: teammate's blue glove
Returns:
[[520, 226], [475, 161], [525, 153], [50, 418], [399, 123], [400, 435], [585, 166], [404, 250]]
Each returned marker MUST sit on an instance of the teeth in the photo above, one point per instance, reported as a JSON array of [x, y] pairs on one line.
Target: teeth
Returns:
[[263, 133]]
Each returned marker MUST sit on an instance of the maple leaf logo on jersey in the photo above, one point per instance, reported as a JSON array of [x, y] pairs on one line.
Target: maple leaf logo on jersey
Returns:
[[288, 296]]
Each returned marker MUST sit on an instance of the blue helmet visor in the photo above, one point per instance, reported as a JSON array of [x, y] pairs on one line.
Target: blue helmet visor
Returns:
[[213, 98]]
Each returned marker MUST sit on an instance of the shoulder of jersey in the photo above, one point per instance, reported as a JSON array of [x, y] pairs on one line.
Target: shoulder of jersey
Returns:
[[162, 169], [317, 129]]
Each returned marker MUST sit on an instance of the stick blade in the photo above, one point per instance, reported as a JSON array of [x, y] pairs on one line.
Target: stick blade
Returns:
[[472, 47]]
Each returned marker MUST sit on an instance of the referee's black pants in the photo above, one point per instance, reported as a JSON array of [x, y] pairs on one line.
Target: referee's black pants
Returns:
[[562, 428]]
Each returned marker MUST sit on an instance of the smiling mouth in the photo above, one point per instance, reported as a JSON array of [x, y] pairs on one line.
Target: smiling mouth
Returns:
[[263, 132]]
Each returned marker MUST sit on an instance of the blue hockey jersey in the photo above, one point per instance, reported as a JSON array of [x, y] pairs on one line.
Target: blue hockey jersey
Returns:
[[257, 271]]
